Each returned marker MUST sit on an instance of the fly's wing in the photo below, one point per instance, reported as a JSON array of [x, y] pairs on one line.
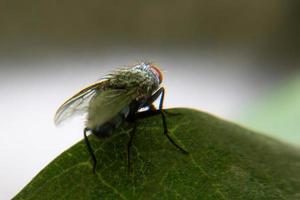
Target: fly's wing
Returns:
[[77, 104], [108, 104]]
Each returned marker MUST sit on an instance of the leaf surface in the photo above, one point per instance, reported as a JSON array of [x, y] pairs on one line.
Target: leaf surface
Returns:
[[226, 161]]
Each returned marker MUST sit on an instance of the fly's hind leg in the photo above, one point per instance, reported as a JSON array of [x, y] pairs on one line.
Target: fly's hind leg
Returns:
[[152, 112], [90, 149]]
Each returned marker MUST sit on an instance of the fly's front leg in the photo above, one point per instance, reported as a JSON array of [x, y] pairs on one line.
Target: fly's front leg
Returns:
[[151, 108], [166, 131], [161, 93], [152, 111], [162, 97]]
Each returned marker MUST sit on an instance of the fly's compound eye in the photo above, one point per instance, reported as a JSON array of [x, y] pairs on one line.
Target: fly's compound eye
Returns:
[[157, 72]]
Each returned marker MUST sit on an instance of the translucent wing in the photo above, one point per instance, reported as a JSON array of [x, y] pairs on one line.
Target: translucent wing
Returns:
[[79, 103], [108, 104]]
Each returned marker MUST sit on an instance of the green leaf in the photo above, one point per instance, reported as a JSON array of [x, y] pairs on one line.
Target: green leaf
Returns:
[[225, 162]]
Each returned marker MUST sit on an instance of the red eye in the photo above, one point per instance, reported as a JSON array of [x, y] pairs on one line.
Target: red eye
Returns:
[[157, 72]]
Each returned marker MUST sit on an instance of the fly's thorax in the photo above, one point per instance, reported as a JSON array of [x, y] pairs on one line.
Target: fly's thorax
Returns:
[[139, 77]]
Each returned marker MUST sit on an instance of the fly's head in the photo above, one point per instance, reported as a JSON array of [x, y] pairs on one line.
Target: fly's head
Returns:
[[152, 70], [157, 72]]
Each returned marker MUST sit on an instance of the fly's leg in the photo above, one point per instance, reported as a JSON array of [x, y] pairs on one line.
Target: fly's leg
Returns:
[[161, 93], [90, 149], [166, 132], [129, 145], [162, 97], [151, 108], [147, 113]]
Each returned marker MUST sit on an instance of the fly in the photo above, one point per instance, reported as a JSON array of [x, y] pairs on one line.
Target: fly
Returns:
[[118, 97]]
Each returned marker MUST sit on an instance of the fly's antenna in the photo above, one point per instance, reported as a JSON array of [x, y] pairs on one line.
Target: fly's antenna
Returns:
[[90, 149]]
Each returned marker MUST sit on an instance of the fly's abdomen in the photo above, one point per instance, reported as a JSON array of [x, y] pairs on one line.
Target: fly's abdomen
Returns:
[[106, 129]]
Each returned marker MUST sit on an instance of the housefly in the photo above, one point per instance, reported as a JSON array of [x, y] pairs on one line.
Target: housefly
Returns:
[[118, 97]]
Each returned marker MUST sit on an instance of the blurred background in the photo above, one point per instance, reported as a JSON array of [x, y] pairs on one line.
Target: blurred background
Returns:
[[238, 60]]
